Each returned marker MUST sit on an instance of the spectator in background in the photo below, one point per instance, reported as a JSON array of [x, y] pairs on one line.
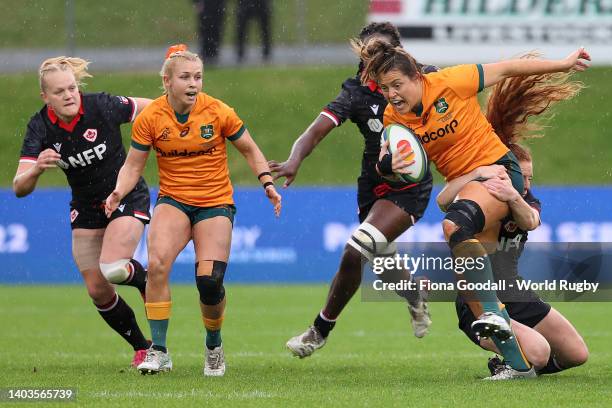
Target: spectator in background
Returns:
[[260, 11], [211, 14]]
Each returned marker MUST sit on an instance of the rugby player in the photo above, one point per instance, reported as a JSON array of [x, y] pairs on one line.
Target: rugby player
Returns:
[[387, 208], [188, 130], [80, 133], [550, 341], [443, 109]]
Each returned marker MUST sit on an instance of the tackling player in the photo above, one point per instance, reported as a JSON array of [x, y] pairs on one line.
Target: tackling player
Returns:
[[81, 134], [386, 208], [443, 109], [188, 130]]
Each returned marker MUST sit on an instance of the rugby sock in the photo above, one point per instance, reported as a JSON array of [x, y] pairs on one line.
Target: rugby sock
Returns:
[[551, 367], [118, 315], [213, 332], [138, 276], [158, 314], [513, 354], [397, 276], [486, 301], [323, 324]]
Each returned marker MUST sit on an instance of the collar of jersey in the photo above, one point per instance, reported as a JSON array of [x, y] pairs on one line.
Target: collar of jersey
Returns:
[[373, 86], [66, 126]]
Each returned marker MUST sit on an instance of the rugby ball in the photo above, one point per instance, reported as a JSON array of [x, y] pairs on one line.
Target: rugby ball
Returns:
[[400, 136]]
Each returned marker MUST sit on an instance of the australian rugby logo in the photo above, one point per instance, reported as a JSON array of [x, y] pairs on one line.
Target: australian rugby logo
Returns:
[[90, 135], [441, 105], [207, 131]]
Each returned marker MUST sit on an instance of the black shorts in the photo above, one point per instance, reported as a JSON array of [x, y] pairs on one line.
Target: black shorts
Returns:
[[412, 198], [527, 313], [92, 216]]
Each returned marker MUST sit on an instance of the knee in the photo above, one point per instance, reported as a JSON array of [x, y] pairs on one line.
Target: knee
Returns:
[[579, 355], [116, 272], [370, 242], [464, 219], [209, 280], [158, 267], [449, 228], [539, 355]]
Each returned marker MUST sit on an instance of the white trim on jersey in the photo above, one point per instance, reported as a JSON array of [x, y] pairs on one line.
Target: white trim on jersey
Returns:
[[330, 117], [134, 107], [27, 161]]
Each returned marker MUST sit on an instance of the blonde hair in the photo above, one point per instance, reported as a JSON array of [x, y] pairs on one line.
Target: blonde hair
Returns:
[[172, 59], [78, 66]]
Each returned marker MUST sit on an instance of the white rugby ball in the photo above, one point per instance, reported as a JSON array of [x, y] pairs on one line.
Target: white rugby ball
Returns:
[[399, 136]]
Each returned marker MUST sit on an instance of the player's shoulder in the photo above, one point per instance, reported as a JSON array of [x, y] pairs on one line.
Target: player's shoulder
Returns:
[[37, 122], [156, 108], [352, 83], [211, 105], [444, 74]]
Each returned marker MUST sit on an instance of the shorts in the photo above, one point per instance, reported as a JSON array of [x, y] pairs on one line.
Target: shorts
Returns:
[[92, 216], [197, 214], [412, 198], [510, 162], [527, 313]]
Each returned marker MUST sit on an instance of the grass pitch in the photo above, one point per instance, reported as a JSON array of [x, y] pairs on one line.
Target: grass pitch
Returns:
[[53, 337]]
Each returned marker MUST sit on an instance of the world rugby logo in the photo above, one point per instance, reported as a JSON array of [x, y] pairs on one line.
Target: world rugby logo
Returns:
[[90, 135]]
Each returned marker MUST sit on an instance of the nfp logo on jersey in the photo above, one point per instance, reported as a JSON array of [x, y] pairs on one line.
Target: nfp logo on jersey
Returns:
[[90, 135]]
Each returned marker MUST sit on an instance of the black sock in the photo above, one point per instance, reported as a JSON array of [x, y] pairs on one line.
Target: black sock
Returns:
[[138, 278], [118, 315], [324, 326], [551, 367]]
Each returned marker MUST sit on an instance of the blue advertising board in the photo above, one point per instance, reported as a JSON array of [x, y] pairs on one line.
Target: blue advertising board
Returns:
[[303, 245]]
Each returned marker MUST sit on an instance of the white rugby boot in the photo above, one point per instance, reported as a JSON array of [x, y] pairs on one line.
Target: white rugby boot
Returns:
[[214, 362], [419, 313], [155, 362], [306, 343], [509, 373], [490, 325]]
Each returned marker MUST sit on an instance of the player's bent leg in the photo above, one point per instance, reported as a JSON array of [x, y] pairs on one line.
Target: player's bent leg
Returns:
[[212, 241], [120, 241], [169, 232], [534, 345], [86, 247], [568, 348], [475, 211]]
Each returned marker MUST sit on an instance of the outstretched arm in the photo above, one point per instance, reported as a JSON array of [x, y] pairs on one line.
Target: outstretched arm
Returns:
[[493, 73], [303, 146], [128, 177], [257, 162]]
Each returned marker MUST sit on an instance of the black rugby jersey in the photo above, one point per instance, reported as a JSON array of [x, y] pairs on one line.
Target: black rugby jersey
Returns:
[[365, 105], [91, 147], [510, 244]]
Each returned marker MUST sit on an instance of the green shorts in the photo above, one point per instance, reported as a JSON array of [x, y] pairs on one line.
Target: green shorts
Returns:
[[510, 162], [197, 214]]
